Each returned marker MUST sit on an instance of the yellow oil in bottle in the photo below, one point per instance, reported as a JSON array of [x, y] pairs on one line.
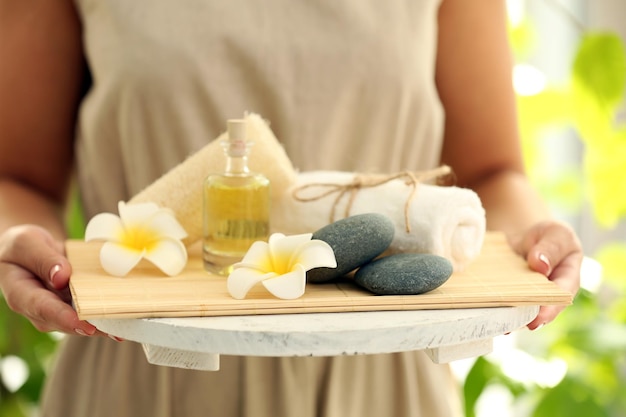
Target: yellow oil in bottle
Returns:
[[236, 209]]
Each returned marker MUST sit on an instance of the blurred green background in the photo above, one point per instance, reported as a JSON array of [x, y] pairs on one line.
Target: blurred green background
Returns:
[[574, 132]]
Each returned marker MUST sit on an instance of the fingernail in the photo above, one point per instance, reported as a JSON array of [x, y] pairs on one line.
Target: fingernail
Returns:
[[53, 272], [80, 332], [117, 339], [544, 259]]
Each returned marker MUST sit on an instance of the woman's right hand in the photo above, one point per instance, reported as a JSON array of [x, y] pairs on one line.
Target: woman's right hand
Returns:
[[34, 278]]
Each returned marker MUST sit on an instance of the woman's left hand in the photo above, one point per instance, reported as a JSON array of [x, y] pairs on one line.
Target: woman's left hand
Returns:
[[553, 249]]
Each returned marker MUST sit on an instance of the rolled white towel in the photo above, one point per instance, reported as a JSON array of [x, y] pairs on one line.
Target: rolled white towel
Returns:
[[445, 221]]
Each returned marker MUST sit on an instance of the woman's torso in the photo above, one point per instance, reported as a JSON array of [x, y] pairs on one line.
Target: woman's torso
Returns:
[[344, 85]]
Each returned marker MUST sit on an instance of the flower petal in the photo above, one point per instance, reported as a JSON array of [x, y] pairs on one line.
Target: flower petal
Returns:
[[118, 260], [165, 222], [250, 266], [241, 280], [274, 237], [136, 213], [283, 248], [277, 241], [314, 254], [169, 255], [287, 286], [258, 256], [104, 226]]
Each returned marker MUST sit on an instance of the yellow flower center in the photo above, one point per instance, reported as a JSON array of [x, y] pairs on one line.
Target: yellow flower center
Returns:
[[139, 237], [280, 264]]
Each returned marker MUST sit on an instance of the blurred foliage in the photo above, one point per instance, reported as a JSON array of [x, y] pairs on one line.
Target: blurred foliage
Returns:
[[590, 104], [591, 339], [599, 78], [590, 335], [75, 221], [19, 338]]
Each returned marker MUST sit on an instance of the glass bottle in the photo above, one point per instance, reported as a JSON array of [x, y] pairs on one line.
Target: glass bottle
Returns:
[[236, 205]]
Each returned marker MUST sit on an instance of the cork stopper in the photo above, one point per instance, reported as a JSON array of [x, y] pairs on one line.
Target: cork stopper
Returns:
[[237, 133]]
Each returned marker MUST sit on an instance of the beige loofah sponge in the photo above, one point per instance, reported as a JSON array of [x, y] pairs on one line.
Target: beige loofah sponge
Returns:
[[180, 189]]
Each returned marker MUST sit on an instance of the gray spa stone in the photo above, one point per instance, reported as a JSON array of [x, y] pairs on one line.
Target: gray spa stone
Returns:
[[356, 240], [404, 274]]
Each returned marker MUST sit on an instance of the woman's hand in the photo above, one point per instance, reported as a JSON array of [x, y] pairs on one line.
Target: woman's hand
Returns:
[[552, 249], [34, 277]]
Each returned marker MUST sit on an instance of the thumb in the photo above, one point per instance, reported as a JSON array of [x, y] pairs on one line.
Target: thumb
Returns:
[[535, 248], [538, 261], [35, 250], [549, 246]]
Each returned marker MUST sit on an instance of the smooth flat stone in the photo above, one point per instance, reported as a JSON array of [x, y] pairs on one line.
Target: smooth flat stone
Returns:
[[404, 274], [356, 240]]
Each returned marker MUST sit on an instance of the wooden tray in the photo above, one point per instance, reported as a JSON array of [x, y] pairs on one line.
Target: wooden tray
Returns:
[[498, 277]]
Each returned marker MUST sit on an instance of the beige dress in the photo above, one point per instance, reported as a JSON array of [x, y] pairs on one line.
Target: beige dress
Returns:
[[346, 85]]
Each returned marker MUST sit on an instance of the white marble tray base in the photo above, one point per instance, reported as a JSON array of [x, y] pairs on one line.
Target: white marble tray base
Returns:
[[197, 342]]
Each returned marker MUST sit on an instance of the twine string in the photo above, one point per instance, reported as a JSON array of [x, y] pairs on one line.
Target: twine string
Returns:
[[360, 181]]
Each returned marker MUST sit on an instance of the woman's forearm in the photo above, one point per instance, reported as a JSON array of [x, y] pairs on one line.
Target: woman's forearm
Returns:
[[20, 204], [511, 203]]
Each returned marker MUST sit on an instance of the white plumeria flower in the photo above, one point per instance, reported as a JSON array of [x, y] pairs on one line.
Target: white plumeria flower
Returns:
[[280, 265], [142, 230]]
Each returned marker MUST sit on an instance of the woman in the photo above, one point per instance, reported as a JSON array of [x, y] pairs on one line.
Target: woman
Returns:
[[354, 86]]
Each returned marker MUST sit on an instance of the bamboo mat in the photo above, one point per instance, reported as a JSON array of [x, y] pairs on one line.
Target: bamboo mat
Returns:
[[497, 278]]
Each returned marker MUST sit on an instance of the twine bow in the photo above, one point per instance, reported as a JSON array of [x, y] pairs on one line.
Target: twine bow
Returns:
[[360, 181]]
